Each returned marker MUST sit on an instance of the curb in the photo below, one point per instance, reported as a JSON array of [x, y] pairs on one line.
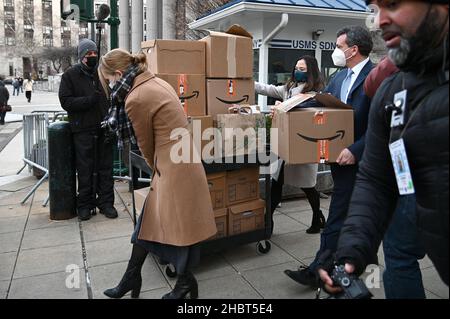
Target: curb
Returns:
[[9, 137]]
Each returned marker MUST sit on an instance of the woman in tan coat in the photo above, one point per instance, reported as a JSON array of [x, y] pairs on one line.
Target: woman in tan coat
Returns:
[[178, 213]]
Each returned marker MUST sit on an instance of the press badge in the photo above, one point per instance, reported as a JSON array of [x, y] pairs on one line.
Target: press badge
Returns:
[[401, 167], [398, 116]]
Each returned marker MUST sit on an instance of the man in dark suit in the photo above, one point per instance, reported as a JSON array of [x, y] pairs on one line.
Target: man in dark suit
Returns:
[[353, 47]]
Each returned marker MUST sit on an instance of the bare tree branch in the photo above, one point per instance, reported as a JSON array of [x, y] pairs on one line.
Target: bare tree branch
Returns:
[[190, 10], [60, 58]]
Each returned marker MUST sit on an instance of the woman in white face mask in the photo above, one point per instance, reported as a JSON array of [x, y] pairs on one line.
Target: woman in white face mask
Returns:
[[305, 78]]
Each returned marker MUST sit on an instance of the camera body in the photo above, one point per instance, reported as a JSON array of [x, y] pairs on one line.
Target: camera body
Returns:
[[353, 287]]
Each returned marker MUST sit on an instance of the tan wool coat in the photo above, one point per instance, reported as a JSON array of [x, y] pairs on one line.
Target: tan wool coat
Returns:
[[178, 209]]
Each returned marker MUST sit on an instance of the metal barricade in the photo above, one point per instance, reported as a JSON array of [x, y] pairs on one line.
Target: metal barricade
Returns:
[[35, 140]]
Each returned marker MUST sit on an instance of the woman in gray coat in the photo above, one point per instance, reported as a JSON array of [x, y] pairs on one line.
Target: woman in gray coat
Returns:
[[306, 77]]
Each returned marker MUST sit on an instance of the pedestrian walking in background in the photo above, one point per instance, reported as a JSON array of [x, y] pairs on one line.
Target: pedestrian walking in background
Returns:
[[21, 80], [16, 87], [28, 84], [4, 97]]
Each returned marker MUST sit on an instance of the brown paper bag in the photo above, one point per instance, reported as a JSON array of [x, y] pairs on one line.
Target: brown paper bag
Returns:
[[240, 133]]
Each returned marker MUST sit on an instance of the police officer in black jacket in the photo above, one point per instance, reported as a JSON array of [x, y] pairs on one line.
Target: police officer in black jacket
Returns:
[[407, 150], [83, 99]]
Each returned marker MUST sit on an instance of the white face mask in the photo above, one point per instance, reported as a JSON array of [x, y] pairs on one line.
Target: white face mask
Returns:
[[112, 83], [339, 58]]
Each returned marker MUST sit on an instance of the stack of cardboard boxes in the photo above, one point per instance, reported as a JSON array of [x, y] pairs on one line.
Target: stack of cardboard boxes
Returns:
[[229, 81], [182, 65], [209, 76], [236, 203], [234, 198], [229, 70]]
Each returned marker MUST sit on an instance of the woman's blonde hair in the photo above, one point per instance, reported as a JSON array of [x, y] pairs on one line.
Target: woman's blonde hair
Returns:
[[119, 60]]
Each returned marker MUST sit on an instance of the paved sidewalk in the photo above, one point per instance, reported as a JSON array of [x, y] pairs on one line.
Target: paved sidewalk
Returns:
[[35, 252], [7, 132]]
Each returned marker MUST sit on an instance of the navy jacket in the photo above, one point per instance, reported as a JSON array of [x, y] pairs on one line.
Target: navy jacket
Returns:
[[376, 193], [360, 102]]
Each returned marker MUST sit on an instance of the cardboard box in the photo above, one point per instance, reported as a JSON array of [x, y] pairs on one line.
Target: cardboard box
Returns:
[[242, 185], [175, 56], [140, 196], [314, 135], [246, 217], [217, 190], [223, 94], [191, 89], [221, 216], [229, 54]]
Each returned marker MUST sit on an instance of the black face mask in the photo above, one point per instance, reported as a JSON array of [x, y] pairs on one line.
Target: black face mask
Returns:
[[91, 61]]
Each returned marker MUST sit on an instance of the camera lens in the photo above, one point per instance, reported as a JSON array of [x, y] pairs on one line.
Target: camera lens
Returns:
[[345, 282]]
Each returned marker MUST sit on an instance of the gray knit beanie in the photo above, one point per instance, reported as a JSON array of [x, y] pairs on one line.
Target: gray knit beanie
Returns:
[[84, 47]]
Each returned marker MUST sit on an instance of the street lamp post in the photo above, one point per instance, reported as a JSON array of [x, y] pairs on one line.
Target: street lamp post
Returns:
[[102, 13], [114, 23]]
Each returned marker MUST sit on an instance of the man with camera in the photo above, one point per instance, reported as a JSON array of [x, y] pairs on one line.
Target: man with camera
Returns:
[[408, 117], [86, 104]]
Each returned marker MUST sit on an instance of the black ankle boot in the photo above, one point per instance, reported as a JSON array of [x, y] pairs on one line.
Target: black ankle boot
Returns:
[[303, 276], [318, 222], [131, 280], [186, 284]]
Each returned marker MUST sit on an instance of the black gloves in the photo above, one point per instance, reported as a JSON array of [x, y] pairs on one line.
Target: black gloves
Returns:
[[95, 98], [326, 261]]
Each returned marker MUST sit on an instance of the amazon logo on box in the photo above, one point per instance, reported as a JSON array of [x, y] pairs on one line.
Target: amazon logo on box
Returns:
[[222, 94], [190, 88]]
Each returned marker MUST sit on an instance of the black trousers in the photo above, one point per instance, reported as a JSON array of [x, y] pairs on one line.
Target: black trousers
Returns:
[[84, 143], [2, 117], [27, 94], [277, 192]]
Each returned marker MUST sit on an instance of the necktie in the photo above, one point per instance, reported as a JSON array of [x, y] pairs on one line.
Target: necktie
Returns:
[[346, 86]]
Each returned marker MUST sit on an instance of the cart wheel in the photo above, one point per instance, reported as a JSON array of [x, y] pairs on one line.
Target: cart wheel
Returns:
[[263, 250], [171, 273]]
